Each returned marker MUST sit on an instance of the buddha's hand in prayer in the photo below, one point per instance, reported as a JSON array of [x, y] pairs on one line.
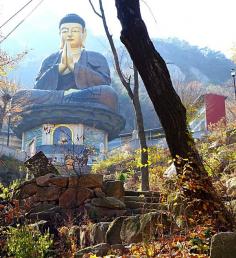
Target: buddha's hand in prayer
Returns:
[[67, 63]]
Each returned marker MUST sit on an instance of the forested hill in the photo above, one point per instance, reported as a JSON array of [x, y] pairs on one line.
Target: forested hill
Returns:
[[186, 62], [202, 64]]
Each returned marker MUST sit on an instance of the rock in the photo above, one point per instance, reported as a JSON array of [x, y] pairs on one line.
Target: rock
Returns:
[[99, 250], [27, 189], [233, 206], [39, 165], [99, 193], [113, 232], [84, 236], [114, 189], [98, 232], [48, 193], [60, 181], [73, 197], [143, 227], [74, 231], [42, 207], [87, 181], [44, 226], [231, 187], [44, 180], [223, 245], [53, 217], [130, 231], [83, 194], [68, 199], [108, 202], [97, 213]]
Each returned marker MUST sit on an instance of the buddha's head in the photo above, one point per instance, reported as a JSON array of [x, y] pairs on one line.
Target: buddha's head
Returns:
[[72, 29]]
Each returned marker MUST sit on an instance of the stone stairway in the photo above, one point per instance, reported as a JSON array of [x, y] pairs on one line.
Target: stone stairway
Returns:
[[142, 202]]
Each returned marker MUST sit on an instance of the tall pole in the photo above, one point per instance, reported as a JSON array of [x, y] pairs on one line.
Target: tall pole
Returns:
[[233, 76], [8, 130], [234, 87]]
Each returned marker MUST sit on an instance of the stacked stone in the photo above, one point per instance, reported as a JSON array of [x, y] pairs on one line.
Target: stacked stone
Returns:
[[86, 194]]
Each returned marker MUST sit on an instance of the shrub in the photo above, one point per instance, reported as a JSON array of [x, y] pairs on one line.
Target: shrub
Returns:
[[7, 192], [27, 242]]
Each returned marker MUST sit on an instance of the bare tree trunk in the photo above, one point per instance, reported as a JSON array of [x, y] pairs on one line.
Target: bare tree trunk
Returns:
[[134, 96], [3, 111], [194, 180], [141, 133]]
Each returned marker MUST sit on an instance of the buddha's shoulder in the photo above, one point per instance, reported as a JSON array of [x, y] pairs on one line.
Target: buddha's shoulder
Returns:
[[95, 56], [52, 57]]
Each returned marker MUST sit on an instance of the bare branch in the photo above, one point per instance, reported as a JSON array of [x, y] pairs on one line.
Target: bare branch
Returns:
[[150, 10], [136, 82], [113, 48], [95, 11]]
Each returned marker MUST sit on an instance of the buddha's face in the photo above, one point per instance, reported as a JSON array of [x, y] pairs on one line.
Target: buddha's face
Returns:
[[73, 33]]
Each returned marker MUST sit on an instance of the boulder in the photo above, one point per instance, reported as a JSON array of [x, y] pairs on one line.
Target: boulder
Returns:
[[83, 194], [99, 250], [60, 181], [113, 232], [223, 245], [84, 236], [88, 181], [74, 232], [44, 226], [232, 205], [108, 202], [99, 193], [52, 216], [130, 231], [143, 227], [48, 193], [97, 213], [74, 197], [39, 165], [27, 189], [68, 199], [44, 180], [38, 207], [114, 188], [98, 232]]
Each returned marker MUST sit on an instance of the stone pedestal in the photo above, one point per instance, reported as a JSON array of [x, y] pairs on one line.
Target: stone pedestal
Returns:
[[62, 130]]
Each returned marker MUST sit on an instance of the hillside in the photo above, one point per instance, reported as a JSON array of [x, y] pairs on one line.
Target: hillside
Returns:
[[201, 64], [185, 62]]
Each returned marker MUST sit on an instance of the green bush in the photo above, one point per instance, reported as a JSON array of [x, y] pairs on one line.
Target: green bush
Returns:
[[26, 242], [7, 192]]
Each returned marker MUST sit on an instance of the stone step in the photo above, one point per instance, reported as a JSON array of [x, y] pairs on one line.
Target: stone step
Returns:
[[144, 193], [132, 212], [135, 205], [142, 199]]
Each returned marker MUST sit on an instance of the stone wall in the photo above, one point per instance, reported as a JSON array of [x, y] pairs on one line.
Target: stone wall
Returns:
[[85, 195]]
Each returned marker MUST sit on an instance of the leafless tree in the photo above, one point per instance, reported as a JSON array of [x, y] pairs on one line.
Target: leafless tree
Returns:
[[133, 94], [194, 181]]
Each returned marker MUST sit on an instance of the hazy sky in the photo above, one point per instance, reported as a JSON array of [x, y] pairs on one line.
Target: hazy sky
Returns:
[[210, 23]]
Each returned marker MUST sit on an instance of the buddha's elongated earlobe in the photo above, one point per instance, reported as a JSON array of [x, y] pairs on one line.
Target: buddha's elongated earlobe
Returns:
[[61, 41]]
